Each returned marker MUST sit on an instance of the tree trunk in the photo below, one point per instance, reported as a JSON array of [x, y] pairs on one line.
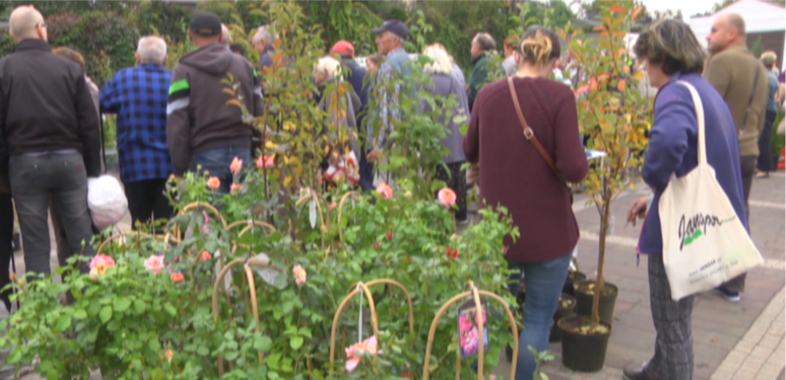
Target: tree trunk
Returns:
[[600, 282]]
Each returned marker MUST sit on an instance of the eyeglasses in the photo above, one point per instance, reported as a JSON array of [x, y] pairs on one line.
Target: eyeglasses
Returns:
[[43, 25]]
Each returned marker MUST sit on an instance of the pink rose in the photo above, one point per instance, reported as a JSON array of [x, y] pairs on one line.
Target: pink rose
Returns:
[[447, 196], [265, 161], [300, 274], [100, 263], [385, 191], [236, 165], [213, 183], [155, 263]]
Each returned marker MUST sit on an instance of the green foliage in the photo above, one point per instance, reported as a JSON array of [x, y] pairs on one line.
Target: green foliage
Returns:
[[778, 141], [57, 7], [106, 40], [163, 18], [756, 47], [347, 20], [134, 323], [226, 10], [6, 43]]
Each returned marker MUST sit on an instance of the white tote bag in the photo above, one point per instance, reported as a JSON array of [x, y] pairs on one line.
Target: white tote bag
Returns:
[[106, 200], [704, 242]]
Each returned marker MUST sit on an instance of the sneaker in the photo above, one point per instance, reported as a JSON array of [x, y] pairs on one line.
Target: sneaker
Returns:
[[729, 295], [639, 373], [462, 222]]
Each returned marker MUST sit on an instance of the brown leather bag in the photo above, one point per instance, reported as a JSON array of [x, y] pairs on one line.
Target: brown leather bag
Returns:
[[530, 135]]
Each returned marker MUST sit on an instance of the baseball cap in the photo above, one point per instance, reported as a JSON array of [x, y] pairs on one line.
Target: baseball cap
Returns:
[[206, 24], [393, 26], [343, 47]]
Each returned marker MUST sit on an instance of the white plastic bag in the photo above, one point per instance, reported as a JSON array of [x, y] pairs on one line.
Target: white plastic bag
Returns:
[[106, 200], [704, 242]]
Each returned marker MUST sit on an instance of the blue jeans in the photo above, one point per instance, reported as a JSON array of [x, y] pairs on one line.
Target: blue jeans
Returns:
[[544, 282], [217, 161]]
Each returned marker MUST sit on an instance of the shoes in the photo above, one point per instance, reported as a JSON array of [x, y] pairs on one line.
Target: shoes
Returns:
[[762, 175], [639, 373], [463, 222], [729, 295]]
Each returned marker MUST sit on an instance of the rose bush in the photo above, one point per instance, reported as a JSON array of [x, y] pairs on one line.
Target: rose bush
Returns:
[[249, 288]]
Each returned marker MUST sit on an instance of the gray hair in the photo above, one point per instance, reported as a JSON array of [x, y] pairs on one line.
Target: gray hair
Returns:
[[768, 58], [23, 22], [226, 36], [151, 49], [485, 41], [263, 33]]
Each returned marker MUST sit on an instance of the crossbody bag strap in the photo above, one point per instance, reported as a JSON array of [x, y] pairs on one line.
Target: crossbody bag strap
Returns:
[[528, 133], [753, 94]]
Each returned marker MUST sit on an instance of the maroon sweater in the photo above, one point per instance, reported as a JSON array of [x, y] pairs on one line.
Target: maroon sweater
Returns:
[[515, 175]]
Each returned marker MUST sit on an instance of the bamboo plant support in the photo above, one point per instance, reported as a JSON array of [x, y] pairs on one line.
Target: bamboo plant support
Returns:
[[475, 293], [198, 204], [372, 308], [120, 236], [251, 298]]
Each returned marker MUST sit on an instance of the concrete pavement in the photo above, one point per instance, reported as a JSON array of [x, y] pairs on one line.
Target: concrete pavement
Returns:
[[738, 341]]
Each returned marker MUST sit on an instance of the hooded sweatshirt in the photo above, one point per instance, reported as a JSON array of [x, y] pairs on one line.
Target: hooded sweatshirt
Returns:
[[203, 112]]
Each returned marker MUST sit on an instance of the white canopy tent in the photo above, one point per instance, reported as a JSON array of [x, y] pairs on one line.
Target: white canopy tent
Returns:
[[760, 16]]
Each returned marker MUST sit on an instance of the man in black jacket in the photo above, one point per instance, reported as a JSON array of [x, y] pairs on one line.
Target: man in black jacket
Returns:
[[49, 140]]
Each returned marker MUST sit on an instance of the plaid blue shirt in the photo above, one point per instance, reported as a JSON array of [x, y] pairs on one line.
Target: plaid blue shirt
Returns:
[[138, 96]]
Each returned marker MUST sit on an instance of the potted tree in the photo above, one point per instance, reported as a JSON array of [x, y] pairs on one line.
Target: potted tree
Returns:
[[614, 119]]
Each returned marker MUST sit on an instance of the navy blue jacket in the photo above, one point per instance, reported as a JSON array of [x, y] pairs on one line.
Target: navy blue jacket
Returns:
[[673, 149], [354, 74]]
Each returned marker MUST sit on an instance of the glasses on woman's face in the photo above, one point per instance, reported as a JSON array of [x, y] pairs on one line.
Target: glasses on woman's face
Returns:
[[43, 25]]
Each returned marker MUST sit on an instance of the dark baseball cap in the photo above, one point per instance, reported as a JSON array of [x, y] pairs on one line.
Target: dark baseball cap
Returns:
[[393, 26], [206, 24]]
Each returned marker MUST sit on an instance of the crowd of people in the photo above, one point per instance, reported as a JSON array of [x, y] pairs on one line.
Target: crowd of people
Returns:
[[172, 122]]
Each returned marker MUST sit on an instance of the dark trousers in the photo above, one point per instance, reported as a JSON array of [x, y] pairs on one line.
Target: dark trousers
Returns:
[[765, 162], [748, 166], [217, 161], [6, 245], [456, 179], [366, 169], [34, 181], [673, 358], [147, 201]]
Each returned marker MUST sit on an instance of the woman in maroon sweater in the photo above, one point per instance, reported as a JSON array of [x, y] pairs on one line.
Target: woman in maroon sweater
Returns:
[[515, 175]]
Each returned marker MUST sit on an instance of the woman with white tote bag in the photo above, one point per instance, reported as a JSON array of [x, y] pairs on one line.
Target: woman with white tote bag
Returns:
[[680, 150]]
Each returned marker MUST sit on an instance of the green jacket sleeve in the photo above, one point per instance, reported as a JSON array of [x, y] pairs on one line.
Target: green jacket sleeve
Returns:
[[477, 79]]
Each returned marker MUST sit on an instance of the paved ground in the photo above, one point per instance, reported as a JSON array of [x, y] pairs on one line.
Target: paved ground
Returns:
[[731, 340]]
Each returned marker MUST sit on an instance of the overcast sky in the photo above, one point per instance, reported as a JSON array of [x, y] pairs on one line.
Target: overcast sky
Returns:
[[688, 7]]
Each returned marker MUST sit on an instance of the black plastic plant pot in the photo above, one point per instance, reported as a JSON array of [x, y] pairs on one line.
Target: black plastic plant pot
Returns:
[[572, 277], [583, 351], [566, 307], [607, 300]]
